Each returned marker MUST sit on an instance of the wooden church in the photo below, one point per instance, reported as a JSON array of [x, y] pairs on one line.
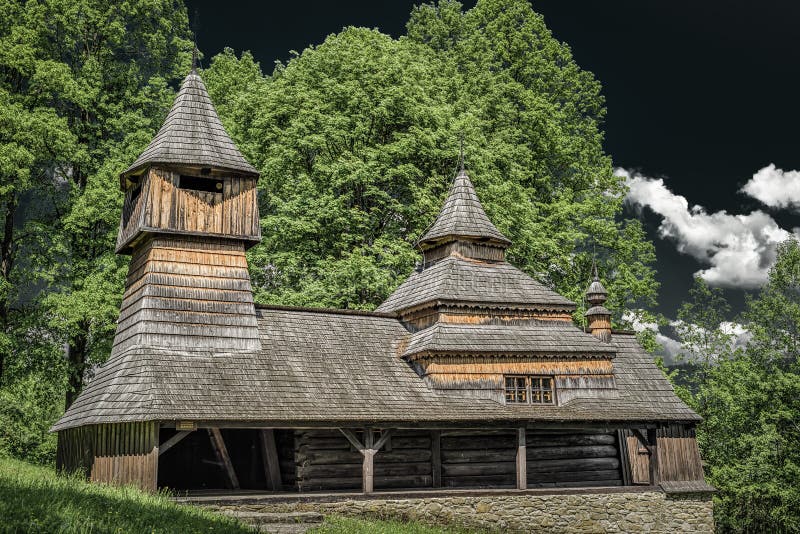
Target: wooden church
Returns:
[[470, 375]]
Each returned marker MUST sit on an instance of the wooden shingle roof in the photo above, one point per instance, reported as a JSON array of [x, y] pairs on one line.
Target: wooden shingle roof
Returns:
[[465, 281], [324, 368], [192, 134], [535, 338], [462, 216]]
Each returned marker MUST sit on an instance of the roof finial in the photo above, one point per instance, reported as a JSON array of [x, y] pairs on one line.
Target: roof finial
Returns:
[[194, 59], [195, 27], [461, 154]]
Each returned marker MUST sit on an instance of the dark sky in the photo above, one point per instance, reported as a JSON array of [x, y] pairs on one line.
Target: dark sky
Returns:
[[702, 93]]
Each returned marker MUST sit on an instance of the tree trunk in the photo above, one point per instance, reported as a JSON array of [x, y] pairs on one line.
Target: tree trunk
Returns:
[[76, 357], [6, 264]]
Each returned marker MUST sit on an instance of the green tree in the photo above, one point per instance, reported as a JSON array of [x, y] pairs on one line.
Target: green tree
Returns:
[[704, 330], [98, 72], [750, 402], [357, 140]]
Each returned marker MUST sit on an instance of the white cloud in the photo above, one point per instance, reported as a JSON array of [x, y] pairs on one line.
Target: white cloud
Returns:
[[672, 350], [739, 249], [775, 187]]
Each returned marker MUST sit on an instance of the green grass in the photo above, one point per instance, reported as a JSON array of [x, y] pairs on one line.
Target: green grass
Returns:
[[33, 499], [346, 525]]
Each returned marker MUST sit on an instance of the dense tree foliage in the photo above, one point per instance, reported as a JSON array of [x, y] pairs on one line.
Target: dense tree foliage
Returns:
[[84, 85], [749, 398], [358, 140]]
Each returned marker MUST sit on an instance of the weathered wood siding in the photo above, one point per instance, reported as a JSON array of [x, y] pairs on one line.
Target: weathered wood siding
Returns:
[[678, 455], [120, 454], [188, 292], [325, 460], [483, 376], [162, 206], [425, 317], [467, 249]]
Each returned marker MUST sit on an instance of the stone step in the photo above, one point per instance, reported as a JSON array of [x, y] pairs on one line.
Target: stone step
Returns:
[[267, 518], [283, 528]]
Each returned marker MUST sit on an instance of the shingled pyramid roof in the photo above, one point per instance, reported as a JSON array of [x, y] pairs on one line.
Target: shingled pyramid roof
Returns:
[[462, 216], [192, 134]]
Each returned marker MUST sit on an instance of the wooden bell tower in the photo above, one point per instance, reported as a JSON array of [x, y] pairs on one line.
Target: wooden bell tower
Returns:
[[190, 212]]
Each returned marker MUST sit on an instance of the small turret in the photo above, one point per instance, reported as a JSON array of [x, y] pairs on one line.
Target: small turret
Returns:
[[598, 317]]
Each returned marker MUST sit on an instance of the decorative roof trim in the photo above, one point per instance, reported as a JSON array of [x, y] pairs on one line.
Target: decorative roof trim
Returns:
[[549, 355], [478, 304], [331, 311]]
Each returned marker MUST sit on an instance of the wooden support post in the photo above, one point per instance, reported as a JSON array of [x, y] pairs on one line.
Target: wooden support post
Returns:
[[269, 456], [171, 442], [522, 460], [368, 449], [436, 458], [222, 455], [368, 472], [652, 441], [352, 439]]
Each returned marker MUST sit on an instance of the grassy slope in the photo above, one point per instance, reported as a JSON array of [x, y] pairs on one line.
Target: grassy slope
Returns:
[[33, 499]]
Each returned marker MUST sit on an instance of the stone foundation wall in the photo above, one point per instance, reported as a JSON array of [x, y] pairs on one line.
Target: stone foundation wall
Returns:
[[635, 511]]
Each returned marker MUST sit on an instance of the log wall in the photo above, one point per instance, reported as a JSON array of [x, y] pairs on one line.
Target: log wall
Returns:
[[120, 454], [574, 459], [161, 205], [325, 460], [415, 459], [479, 458]]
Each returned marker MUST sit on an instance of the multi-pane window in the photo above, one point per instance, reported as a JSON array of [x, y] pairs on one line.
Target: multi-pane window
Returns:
[[529, 389]]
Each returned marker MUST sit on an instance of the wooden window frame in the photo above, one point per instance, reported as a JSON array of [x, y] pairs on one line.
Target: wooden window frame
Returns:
[[534, 388]]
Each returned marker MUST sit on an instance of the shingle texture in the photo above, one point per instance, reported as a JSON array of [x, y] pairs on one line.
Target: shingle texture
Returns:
[[323, 367], [456, 279], [192, 134], [462, 216], [539, 338]]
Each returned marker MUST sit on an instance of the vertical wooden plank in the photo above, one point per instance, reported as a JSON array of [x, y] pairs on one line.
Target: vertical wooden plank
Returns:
[[226, 205], [247, 211], [652, 441], [153, 434], [113, 474], [237, 206], [222, 455], [522, 460], [624, 457], [436, 458], [269, 456]]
